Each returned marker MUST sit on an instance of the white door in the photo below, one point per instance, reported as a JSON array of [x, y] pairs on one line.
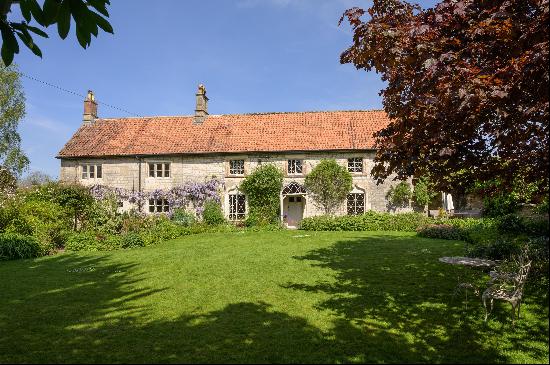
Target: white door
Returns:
[[295, 211]]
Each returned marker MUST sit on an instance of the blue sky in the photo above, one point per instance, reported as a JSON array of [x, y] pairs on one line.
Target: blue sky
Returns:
[[252, 56]]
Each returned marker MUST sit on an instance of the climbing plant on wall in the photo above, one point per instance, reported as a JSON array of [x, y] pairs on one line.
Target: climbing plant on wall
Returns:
[[262, 188], [191, 195]]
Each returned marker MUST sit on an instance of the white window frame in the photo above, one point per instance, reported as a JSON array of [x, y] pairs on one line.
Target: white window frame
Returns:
[[293, 165], [237, 211], [160, 169], [91, 171], [358, 205], [159, 205], [355, 165], [236, 171]]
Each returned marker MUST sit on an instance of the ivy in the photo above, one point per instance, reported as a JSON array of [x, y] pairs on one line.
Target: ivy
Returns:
[[262, 189]]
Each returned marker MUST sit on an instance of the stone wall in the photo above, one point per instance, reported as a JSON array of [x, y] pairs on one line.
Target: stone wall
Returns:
[[124, 172]]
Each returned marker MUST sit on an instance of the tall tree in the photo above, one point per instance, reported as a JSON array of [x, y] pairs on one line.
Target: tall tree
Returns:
[[467, 89], [87, 22], [12, 110]]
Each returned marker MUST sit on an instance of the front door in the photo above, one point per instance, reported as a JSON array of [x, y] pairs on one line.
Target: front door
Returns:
[[295, 211]]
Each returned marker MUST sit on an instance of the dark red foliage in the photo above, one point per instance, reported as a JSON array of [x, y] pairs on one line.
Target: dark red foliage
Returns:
[[467, 88]]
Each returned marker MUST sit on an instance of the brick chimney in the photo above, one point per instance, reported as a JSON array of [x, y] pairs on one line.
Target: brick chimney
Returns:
[[90, 109], [201, 109]]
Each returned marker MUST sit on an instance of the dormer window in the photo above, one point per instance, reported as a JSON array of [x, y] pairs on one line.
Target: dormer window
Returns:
[[159, 169], [294, 167], [236, 167], [90, 171]]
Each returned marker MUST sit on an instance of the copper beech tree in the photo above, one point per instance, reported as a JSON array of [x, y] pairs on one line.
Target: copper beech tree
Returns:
[[467, 89]]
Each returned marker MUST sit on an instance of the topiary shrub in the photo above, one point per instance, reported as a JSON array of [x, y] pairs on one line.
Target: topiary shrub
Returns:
[[399, 195], [329, 184], [262, 188], [212, 213], [15, 246]]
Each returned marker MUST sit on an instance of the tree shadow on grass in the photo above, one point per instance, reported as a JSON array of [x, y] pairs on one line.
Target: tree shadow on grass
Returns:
[[90, 309], [396, 285], [83, 309]]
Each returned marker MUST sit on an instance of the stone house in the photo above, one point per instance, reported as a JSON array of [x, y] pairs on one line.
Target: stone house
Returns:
[[148, 153]]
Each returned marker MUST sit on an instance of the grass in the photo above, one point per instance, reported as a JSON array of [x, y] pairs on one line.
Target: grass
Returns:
[[321, 297]]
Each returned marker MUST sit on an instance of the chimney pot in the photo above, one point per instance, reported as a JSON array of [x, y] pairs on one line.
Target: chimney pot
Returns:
[[201, 108], [90, 109]]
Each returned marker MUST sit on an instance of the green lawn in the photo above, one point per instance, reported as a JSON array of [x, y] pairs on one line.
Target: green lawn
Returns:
[[260, 297]]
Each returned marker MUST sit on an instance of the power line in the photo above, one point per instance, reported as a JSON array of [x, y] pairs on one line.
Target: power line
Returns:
[[75, 93]]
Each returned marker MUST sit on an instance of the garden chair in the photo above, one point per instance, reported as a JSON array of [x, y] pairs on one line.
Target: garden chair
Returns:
[[507, 286]]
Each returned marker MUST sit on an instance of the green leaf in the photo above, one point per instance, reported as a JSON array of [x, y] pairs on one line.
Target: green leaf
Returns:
[[99, 5], [81, 37], [36, 11], [102, 22], [7, 54], [64, 19], [51, 8], [26, 37], [37, 31], [8, 38], [25, 10]]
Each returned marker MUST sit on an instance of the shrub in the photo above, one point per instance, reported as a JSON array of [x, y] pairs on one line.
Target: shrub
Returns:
[[441, 231], [511, 223], [329, 184], [500, 205], [423, 192], [131, 240], [93, 241], [399, 195], [369, 221], [44, 220], [102, 216], [212, 213], [16, 246], [498, 249], [183, 217], [262, 188]]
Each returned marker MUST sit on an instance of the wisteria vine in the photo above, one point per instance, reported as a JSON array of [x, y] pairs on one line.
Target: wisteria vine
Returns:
[[191, 195]]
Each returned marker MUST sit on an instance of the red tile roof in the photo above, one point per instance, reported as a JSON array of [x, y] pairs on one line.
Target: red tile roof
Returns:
[[235, 133]]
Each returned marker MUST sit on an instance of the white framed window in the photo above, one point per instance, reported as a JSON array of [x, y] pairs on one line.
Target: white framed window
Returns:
[[294, 167], [159, 169], [158, 205], [92, 171], [355, 164], [356, 203], [236, 167], [237, 207]]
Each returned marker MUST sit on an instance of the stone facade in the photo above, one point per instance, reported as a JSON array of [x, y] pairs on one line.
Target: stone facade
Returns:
[[132, 173]]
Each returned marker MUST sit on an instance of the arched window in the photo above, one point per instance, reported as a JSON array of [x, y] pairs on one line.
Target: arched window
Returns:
[[356, 201], [294, 189]]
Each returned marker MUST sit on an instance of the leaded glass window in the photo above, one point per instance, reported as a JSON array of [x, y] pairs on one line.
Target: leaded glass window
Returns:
[[356, 203], [355, 164], [236, 167], [237, 206], [294, 167], [158, 205]]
